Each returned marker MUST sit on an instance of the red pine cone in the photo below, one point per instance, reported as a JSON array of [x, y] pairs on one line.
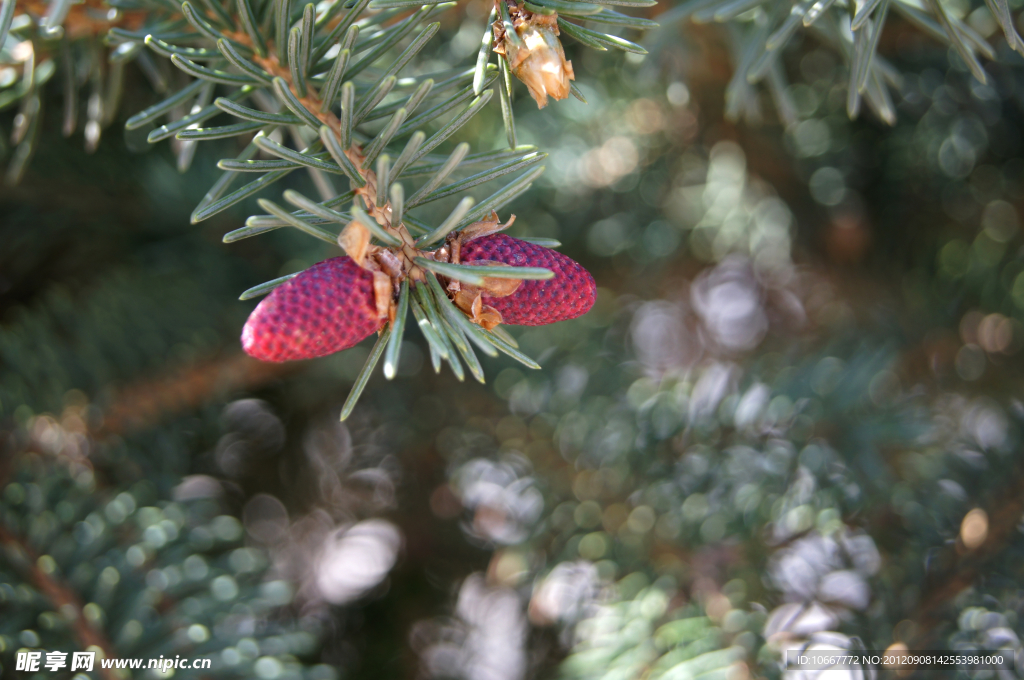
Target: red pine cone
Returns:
[[569, 294], [325, 309]]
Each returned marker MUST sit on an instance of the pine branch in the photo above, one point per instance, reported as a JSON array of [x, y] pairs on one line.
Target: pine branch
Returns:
[[306, 104], [293, 66], [61, 596], [111, 542], [762, 30], [36, 58], [87, 19]]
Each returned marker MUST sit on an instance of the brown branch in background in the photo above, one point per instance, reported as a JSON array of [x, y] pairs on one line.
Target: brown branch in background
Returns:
[[142, 404], [63, 598]]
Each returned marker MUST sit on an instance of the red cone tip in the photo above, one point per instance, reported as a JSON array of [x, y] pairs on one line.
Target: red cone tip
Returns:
[[325, 309]]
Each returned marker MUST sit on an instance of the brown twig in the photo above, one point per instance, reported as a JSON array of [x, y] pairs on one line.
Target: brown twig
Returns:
[[142, 404]]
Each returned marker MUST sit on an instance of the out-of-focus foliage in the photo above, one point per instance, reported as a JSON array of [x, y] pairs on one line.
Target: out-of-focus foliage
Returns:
[[759, 34], [138, 572], [792, 418], [803, 456], [796, 473]]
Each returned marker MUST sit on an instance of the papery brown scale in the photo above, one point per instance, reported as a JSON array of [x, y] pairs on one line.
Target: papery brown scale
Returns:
[[539, 60]]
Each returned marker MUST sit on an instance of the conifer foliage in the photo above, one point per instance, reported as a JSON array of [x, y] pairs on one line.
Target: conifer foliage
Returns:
[[783, 413], [323, 75]]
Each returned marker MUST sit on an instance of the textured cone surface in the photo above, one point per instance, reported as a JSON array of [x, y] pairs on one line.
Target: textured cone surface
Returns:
[[325, 309], [568, 295]]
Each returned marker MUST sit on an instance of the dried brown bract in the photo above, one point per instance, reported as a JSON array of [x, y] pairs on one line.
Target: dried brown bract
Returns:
[[537, 58]]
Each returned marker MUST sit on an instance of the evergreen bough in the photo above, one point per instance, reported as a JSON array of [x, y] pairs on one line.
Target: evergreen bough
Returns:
[[806, 457]]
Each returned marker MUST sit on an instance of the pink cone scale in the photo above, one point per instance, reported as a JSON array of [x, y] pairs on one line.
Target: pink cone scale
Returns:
[[325, 309], [568, 295]]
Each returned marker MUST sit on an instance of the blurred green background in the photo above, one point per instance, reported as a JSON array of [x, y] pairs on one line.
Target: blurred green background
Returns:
[[792, 417]]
